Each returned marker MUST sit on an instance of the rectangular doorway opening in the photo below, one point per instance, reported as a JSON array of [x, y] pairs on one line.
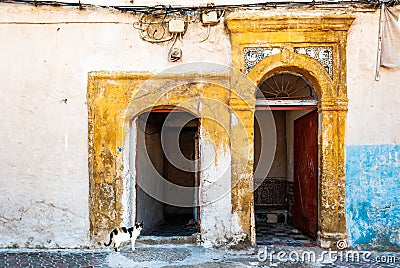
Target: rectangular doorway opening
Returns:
[[285, 199], [167, 161]]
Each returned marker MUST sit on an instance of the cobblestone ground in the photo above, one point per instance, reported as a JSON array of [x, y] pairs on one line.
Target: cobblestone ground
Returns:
[[194, 256], [53, 258]]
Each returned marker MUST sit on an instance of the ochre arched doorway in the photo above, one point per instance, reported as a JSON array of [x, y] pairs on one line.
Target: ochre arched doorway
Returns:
[[286, 194], [331, 136], [165, 167], [225, 115], [284, 38]]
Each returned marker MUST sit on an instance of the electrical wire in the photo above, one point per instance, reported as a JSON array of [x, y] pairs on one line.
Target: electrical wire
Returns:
[[174, 54], [151, 24], [152, 9], [208, 34]]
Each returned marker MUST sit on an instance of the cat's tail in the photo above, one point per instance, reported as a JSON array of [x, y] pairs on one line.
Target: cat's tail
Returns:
[[109, 243]]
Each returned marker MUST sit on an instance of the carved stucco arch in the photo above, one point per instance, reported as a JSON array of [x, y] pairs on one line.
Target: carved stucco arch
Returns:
[[310, 68]]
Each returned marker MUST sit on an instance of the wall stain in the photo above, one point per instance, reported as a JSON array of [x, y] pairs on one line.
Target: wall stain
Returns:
[[373, 196]]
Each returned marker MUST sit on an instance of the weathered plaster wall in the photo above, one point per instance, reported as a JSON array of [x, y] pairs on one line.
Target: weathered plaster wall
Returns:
[[373, 196], [149, 169], [46, 55], [214, 190], [372, 139]]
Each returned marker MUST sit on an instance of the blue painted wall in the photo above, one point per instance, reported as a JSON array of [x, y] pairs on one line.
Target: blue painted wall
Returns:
[[373, 196]]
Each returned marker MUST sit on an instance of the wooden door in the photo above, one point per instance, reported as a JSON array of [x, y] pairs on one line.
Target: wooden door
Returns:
[[305, 173]]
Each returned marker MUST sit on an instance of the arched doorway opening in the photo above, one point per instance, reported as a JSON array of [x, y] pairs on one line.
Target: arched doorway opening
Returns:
[[165, 158], [286, 199]]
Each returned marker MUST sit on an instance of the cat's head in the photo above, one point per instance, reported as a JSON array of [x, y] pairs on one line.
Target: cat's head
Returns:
[[139, 226]]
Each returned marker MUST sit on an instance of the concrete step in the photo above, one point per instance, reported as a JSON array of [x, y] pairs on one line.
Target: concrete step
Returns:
[[176, 240]]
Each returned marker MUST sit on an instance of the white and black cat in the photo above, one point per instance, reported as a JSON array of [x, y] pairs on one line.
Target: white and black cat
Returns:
[[122, 234]]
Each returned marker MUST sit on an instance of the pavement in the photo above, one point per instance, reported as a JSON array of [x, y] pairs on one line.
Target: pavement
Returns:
[[189, 255]]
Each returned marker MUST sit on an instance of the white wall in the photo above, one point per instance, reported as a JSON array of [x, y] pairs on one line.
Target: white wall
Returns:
[[46, 54], [374, 114], [372, 143], [279, 166]]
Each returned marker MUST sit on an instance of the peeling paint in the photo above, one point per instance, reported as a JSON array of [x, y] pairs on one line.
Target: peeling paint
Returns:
[[34, 180], [110, 178], [372, 196]]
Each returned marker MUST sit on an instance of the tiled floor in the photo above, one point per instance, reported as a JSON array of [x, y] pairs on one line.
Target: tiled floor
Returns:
[[276, 234], [280, 234]]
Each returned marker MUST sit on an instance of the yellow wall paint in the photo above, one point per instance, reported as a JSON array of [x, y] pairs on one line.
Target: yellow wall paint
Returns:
[[115, 98]]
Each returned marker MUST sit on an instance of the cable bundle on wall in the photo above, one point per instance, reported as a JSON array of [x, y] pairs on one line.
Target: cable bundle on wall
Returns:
[[161, 23], [168, 24], [150, 9]]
